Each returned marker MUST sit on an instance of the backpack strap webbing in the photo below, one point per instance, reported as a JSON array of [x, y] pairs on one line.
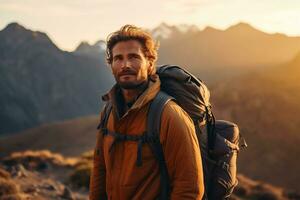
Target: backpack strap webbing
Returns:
[[119, 137], [153, 131], [210, 127]]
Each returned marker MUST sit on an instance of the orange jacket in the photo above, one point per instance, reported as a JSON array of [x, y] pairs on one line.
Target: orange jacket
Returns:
[[116, 174]]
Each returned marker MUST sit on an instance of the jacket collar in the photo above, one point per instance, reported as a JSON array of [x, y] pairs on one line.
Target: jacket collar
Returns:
[[115, 93]]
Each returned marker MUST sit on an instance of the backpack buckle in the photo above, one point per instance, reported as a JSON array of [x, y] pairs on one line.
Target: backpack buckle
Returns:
[[104, 131], [225, 166]]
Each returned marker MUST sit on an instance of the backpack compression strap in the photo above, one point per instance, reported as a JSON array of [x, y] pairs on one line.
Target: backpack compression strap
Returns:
[[118, 137], [153, 131]]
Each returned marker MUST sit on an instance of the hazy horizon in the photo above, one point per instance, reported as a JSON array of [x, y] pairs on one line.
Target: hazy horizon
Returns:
[[69, 22]]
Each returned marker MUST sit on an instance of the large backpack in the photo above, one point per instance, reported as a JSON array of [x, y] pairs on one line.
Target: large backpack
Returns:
[[218, 139]]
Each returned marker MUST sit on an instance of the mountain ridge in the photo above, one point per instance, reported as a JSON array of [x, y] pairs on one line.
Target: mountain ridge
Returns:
[[18, 35], [214, 54], [40, 83]]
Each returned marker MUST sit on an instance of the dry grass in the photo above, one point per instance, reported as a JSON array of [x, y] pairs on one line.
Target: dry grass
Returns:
[[38, 159], [4, 174], [9, 190], [12, 197], [247, 189], [81, 175], [88, 155], [7, 187]]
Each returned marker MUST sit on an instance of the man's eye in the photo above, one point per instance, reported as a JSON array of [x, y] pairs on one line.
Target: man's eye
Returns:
[[116, 58], [134, 57]]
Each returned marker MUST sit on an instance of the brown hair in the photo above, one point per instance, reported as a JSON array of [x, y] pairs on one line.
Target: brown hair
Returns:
[[131, 32]]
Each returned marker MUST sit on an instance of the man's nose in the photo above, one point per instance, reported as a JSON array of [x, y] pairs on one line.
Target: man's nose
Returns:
[[126, 64]]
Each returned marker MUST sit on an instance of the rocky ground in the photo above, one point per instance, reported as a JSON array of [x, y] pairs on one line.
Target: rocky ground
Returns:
[[40, 175]]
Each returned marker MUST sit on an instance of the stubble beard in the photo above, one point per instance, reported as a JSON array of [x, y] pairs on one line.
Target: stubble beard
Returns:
[[131, 85]]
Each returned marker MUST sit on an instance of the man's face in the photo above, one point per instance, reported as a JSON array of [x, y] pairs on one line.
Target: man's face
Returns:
[[129, 65]]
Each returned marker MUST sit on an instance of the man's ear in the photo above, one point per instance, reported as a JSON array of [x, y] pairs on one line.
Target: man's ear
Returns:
[[150, 67]]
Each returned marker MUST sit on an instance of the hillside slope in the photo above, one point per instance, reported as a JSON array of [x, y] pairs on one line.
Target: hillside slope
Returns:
[[266, 106], [69, 138]]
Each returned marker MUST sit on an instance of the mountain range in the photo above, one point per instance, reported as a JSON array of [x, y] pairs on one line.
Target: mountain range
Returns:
[[213, 54], [40, 83]]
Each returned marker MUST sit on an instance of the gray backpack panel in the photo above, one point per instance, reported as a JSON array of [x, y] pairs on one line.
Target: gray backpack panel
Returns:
[[220, 170], [189, 92]]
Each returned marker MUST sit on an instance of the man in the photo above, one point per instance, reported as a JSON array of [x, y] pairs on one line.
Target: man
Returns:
[[131, 54]]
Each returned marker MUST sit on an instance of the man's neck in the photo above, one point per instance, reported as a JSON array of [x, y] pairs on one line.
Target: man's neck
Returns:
[[131, 95]]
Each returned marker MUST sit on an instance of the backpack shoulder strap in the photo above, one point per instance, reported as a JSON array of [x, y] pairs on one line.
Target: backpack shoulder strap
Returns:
[[155, 111], [153, 131], [104, 119]]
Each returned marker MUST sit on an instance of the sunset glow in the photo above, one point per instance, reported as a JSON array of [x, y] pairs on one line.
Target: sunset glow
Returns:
[[68, 22]]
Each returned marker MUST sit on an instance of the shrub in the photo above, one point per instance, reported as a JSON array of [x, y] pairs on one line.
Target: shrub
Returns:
[[7, 187], [4, 174], [88, 155], [38, 160], [11, 197], [81, 176]]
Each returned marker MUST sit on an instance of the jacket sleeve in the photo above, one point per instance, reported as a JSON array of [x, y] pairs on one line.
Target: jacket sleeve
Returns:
[[182, 154], [98, 173]]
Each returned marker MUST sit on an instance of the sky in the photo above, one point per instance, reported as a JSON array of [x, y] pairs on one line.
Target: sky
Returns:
[[68, 22]]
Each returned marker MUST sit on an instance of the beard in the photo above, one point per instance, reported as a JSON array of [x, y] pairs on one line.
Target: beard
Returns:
[[130, 85]]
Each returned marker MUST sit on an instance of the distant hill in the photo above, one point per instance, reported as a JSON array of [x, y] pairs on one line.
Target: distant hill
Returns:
[[70, 138], [40, 83], [266, 106]]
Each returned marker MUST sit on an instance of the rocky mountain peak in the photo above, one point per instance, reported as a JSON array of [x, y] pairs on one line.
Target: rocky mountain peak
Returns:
[[242, 28], [94, 51], [83, 45], [241, 25], [210, 29], [162, 31], [101, 44], [16, 35], [14, 26]]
